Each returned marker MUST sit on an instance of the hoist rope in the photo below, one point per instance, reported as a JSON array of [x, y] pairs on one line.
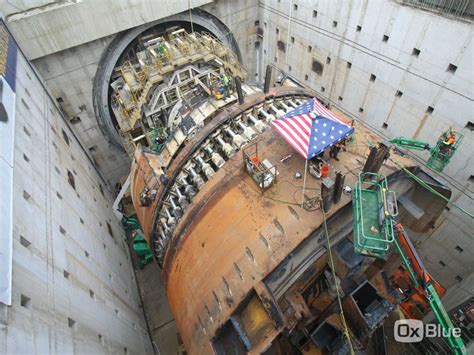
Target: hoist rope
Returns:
[[191, 16], [333, 270]]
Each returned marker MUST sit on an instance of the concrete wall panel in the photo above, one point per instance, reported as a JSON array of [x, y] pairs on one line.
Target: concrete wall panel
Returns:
[[60, 236], [61, 25]]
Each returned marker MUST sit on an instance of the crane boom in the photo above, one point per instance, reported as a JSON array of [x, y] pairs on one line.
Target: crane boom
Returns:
[[410, 143], [421, 278], [440, 154]]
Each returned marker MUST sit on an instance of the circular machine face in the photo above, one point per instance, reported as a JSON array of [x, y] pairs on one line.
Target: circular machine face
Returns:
[[124, 81], [163, 79]]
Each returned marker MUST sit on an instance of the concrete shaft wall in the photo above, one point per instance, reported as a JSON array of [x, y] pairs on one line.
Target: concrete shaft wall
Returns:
[[69, 76], [387, 66], [59, 25], [74, 288]]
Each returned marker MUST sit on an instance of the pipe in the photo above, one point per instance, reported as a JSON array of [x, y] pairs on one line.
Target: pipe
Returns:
[[376, 158], [327, 192], [338, 187], [268, 79], [238, 87]]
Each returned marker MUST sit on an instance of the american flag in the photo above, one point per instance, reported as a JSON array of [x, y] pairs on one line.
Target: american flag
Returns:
[[311, 128]]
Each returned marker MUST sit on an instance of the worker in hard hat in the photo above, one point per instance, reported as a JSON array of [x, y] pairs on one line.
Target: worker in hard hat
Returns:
[[448, 140], [225, 84], [336, 148], [216, 92]]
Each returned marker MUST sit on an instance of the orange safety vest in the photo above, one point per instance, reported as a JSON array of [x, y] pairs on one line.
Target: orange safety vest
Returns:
[[449, 141]]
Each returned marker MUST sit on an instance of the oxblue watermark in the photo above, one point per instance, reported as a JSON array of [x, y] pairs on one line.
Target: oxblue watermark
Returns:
[[413, 331]]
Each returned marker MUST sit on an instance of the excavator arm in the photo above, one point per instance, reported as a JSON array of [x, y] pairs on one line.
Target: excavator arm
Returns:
[[421, 278]]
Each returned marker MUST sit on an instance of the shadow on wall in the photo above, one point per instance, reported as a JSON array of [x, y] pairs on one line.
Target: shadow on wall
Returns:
[[419, 209]]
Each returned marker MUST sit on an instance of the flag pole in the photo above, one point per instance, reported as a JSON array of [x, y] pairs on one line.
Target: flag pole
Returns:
[[304, 181]]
